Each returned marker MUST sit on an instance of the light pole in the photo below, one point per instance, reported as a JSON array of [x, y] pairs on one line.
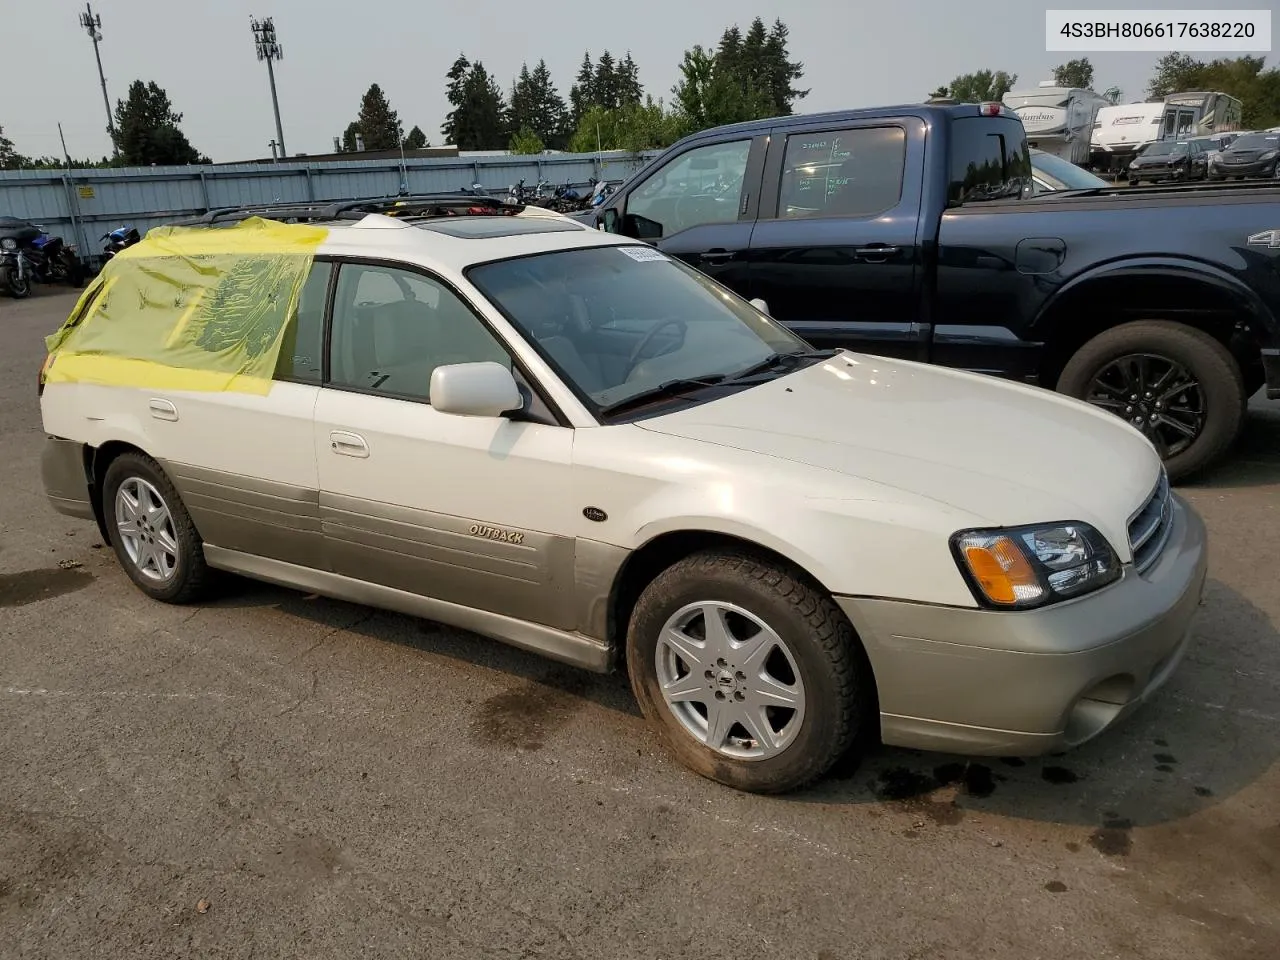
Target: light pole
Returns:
[[264, 39], [92, 24]]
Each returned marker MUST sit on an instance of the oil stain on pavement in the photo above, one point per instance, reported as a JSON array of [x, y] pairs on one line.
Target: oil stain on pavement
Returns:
[[32, 586], [524, 717]]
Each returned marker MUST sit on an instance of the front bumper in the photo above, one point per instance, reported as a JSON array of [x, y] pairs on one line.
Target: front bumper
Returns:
[[1001, 683], [1256, 168], [1159, 173]]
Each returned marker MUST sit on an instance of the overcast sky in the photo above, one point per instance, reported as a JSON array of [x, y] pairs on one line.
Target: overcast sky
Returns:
[[855, 54]]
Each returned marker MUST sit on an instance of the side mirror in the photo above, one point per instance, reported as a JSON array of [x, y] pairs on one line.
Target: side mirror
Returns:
[[484, 389], [609, 220], [641, 228], [760, 305]]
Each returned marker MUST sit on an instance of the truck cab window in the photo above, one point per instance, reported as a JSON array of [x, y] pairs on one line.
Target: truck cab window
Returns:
[[843, 173], [701, 186], [990, 160]]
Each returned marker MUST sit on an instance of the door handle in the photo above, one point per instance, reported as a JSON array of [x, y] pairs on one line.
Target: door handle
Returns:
[[876, 251], [162, 409], [348, 444], [717, 256]]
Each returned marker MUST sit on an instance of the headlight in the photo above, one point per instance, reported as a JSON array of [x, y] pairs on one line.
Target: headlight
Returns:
[[8, 243], [1267, 155], [1021, 567]]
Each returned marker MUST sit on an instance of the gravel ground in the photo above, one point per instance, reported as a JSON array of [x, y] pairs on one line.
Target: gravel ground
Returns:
[[276, 775]]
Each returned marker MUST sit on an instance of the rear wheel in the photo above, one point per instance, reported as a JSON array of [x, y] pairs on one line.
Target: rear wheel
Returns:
[[151, 531], [1178, 385], [753, 677]]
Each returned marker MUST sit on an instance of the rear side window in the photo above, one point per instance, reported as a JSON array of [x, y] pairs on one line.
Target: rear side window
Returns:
[[302, 349], [990, 160], [843, 173]]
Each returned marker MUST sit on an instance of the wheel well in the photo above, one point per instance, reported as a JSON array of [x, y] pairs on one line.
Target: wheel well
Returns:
[[1099, 305], [96, 462], [658, 554]]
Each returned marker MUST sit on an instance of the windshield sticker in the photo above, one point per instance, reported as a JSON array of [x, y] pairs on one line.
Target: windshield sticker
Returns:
[[643, 254]]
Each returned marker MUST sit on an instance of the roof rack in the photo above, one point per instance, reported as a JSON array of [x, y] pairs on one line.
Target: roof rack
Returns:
[[307, 211]]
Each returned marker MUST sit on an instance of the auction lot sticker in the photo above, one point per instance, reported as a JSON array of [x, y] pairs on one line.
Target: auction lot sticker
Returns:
[[1158, 31]]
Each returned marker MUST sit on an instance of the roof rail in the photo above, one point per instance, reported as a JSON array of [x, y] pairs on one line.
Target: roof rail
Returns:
[[306, 211]]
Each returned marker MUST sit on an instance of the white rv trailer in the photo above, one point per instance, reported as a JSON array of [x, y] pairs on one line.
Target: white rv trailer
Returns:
[[1058, 120], [1200, 113], [1120, 131]]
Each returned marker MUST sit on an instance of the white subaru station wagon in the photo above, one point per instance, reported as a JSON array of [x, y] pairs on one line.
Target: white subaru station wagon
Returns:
[[568, 441]]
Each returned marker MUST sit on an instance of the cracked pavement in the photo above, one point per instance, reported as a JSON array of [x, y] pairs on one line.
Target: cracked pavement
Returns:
[[337, 782]]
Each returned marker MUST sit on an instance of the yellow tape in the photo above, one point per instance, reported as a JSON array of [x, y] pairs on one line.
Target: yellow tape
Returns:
[[189, 308]]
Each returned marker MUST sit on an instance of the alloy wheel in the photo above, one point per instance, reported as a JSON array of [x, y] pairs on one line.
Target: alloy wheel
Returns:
[[1156, 394], [730, 680]]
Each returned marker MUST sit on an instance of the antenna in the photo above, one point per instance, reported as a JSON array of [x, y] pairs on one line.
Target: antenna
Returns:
[[270, 50], [92, 24]]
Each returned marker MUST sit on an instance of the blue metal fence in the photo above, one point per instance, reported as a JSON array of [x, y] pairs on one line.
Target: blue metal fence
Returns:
[[82, 205]]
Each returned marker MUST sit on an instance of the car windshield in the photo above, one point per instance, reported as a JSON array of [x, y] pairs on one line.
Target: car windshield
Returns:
[[1063, 174], [1259, 141], [1165, 149], [622, 322]]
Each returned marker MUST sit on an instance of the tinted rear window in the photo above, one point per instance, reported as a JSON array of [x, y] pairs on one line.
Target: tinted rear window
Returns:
[[990, 160], [1258, 141]]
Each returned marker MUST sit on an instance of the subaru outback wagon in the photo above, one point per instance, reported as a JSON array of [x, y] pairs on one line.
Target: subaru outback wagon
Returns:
[[566, 440]]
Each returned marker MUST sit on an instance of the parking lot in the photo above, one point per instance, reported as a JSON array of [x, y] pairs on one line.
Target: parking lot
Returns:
[[278, 775]]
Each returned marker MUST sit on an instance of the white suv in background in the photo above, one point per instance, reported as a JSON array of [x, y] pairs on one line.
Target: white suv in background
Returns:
[[566, 440]]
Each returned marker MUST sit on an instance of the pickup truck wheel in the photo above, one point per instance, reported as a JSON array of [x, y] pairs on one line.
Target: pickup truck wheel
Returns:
[[1178, 385], [753, 678], [151, 531]]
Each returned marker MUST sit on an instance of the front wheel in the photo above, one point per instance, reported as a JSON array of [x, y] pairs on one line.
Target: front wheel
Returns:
[[1178, 385], [18, 287], [753, 677]]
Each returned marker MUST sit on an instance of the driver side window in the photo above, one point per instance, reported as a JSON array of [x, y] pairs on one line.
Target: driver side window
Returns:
[[392, 328], [701, 186]]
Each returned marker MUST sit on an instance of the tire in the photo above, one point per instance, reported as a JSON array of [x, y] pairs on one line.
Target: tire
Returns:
[[19, 289], [179, 574], [816, 647], [1220, 398]]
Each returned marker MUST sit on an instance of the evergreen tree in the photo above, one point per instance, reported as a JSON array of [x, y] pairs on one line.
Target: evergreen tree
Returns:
[[416, 140], [9, 159], [378, 124], [582, 94], [349, 143], [147, 129], [479, 118]]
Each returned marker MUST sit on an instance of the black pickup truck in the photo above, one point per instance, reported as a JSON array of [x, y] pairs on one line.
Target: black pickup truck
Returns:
[[911, 232]]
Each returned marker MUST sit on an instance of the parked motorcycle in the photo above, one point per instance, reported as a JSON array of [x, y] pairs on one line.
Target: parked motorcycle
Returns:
[[118, 239], [28, 254]]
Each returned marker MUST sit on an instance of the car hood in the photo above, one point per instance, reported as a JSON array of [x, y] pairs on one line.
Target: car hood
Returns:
[[1002, 452]]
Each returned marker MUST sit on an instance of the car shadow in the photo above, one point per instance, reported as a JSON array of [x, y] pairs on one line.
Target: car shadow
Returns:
[[1207, 734], [1255, 458], [610, 691]]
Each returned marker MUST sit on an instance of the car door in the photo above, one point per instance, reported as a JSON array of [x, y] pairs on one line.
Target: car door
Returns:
[[468, 510], [698, 205], [244, 464], [834, 252]]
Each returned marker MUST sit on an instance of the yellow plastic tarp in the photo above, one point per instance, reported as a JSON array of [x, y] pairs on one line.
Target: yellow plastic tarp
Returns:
[[189, 308]]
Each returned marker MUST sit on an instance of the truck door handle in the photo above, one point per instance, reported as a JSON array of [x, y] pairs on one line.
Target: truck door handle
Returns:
[[162, 409], [876, 251], [348, 444], [717, 255]]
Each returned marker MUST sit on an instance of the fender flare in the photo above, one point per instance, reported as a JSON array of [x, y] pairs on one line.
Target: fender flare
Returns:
[[1181, 267]]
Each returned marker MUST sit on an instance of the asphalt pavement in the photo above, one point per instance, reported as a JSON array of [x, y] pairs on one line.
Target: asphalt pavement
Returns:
[[275, 775]]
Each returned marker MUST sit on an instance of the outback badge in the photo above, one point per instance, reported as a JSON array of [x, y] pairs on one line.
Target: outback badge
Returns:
[[496, 533]]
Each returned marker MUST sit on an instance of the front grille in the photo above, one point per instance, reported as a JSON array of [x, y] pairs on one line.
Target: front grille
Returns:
[[1150, 527]]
